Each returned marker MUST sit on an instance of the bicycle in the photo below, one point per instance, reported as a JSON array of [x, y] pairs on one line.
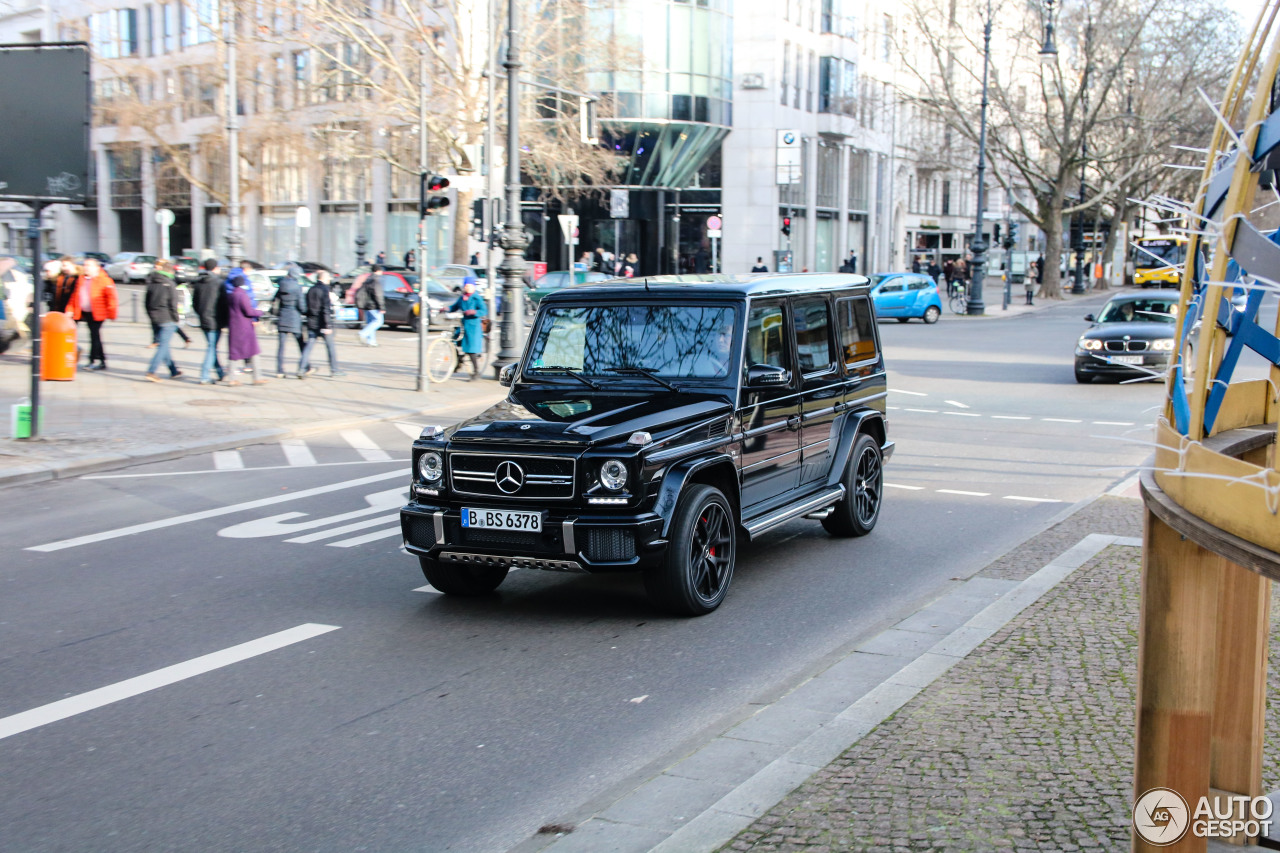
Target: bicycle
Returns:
[[444, 354], [959, 300]]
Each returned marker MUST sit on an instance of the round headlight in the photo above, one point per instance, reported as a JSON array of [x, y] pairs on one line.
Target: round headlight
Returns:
[[613, 475], [431, 466], [1090, 344], [1163, 345]]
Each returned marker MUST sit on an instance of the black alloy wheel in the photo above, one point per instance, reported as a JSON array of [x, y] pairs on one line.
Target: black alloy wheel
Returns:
[[857, 512], [462, 580], [696, 570]]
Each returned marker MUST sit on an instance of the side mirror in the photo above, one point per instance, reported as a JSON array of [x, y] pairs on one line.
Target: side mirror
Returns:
[[1089, 317], [508, 374], [767, 376]]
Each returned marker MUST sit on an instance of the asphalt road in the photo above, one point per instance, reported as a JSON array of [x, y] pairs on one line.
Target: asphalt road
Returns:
[[324, 702]]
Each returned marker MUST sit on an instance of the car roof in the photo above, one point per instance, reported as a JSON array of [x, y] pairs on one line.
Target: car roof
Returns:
[[741, 286], [1139, 297]]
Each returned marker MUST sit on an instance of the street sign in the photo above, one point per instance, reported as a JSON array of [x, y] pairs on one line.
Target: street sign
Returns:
[[714, 233], [568, 225], [788, 157], [620, 204], [165, 217], [713, 223], [302, 216]]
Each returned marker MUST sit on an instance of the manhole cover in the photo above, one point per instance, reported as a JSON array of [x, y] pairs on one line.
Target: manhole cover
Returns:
[[214, 402]]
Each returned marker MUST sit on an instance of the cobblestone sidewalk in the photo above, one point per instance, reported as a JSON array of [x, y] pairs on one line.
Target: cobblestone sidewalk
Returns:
[[117, 416], [1027, 744]]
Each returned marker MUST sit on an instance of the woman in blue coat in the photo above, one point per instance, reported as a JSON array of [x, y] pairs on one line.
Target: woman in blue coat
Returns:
[[473, 309]]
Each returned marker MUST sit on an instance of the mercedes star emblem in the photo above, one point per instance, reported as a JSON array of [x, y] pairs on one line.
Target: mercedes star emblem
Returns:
[[510, 477]]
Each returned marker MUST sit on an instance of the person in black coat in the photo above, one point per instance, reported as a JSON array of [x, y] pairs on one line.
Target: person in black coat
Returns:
[[319, 322], [287, 308], [210, 300], [162, 310]]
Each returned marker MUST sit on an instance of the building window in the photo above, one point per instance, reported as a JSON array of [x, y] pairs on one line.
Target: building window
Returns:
[[858, 181], [799, 84], [301, 77], [886, 45], [946, 197], [173, 190], [786, 69], [125, 165], [828, 175], [828, 15], [813, 74], [828, 84]]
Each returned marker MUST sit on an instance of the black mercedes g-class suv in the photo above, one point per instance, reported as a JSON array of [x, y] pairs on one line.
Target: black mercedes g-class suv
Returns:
[[653, 425]]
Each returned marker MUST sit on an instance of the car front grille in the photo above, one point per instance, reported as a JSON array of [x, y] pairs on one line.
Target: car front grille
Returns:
[[610, 546], [511, 476], [1127, 346]]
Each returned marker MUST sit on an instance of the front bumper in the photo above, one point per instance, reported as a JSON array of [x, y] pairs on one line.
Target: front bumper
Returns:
[[1154, 364], [569, 541]]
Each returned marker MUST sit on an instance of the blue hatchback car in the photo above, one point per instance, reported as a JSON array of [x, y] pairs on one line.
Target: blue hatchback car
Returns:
[[903, 295]]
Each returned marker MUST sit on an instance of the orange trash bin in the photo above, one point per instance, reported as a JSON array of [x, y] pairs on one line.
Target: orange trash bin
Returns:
[[58, 347]]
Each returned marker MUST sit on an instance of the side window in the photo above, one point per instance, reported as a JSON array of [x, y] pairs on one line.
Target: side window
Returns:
[[765, 325], [857, 332], [389, 283], [813, 335], [891, 288]]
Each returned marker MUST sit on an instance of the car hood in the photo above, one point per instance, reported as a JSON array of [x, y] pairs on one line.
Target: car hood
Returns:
[[1141, 330], [565, 416]]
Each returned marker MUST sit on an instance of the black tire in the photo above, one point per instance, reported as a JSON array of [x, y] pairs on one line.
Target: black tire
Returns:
[[931, 314], [856, 514], [693, 579], [903, 319], [462, 580]]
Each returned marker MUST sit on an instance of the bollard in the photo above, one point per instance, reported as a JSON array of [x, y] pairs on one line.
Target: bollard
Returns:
[[134, 302], [58, 356]]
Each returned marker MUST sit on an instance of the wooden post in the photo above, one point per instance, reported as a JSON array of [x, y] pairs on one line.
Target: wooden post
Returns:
[[1177, 659]]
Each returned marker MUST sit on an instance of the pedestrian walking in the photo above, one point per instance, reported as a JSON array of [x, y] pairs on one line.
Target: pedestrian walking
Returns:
[[597, 259], [630, 266], [1039, 279], [935, 272], [242, 338], [949, 273], [409, 259], [373, 302], [915, 263], [381, 260], [319, 320], [64, 284], [162, 310], [287, 308], [211, 307], [95, 302], [473, 311], [760, 267]]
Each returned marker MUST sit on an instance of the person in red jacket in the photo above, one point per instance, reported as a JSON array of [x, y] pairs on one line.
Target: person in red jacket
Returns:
[[94, 302]]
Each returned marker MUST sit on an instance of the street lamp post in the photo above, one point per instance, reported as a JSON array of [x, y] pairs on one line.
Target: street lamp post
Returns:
[[361, 239], [234, 237], [979, 245], [514, 240], [1078, 287]]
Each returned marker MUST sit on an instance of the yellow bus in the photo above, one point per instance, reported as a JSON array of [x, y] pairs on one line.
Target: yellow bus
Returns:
[[1157, 261]]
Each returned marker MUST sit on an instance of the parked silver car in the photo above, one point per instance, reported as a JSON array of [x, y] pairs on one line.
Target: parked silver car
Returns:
[[131, 266]]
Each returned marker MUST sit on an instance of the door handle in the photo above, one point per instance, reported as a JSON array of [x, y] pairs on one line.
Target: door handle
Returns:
[[793, 423]]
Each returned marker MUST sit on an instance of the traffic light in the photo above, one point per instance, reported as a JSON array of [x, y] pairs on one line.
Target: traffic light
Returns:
[[1011, 239], [428, 203], [786, 225]]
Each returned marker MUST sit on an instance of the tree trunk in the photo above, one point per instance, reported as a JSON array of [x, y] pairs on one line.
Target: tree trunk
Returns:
[[1052, 286], [462, 229]]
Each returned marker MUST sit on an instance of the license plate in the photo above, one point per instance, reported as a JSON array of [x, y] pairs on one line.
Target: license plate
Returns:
[[1126, 359], [346, 314], [502, 519]]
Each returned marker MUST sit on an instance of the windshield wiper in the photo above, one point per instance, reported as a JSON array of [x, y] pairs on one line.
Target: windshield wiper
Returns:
[[578, 376], [640, 371]]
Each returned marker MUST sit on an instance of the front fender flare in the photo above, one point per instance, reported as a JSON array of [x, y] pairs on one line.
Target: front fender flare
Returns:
[[673, 483]]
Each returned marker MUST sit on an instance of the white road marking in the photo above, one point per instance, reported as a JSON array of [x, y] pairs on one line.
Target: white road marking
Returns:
[[1113, 423], [226, 470], [968, 494], [1031, 500], [954, 403], [174, 521], [346, 528], [1062, 420], [912, 393], [963, 414], [364, 445], [1011, 417], [411, 430], [368, 537], [926, 411], [899, 486], [297, 452], [69, 707], [273, 525], [227, 460]]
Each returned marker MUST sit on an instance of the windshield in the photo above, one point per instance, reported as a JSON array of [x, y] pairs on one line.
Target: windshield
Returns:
[[672, 341], [1152, 310], [1159, 253]]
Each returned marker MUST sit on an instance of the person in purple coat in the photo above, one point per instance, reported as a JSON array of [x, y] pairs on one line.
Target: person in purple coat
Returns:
[[242, 339]]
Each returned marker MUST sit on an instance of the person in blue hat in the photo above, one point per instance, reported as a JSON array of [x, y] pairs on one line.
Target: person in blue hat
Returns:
[[473, 309]]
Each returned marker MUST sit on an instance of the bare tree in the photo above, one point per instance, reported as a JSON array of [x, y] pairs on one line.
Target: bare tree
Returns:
[[1046, 125]]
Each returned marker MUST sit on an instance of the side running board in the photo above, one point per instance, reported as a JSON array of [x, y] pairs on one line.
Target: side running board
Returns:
[[782, 516]]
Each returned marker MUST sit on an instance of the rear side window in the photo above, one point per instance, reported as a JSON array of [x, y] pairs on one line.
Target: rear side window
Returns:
[[813, 336], [857, 331]]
